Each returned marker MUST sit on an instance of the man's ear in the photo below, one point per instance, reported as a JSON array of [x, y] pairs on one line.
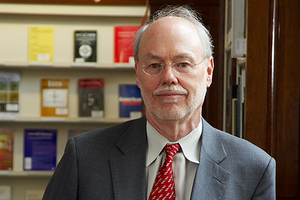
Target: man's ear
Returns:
[[209, 70]]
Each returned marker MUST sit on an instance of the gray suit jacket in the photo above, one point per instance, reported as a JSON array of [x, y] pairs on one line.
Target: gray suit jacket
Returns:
[[110, 164]]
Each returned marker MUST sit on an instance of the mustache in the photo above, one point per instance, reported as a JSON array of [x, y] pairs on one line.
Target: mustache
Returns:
[[167, 88]]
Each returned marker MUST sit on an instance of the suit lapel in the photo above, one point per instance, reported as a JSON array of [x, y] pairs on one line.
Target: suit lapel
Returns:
[[128, 170], [210, 180]]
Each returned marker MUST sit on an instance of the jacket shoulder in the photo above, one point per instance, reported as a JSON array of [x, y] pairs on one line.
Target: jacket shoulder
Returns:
[[106, 140], [241, 147], [236, 149]]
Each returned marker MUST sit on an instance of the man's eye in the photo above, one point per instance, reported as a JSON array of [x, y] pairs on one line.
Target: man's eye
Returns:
[[183, 65], [154, 65]]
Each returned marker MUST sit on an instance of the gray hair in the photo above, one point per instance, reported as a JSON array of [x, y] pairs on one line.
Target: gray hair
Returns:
[[186, 13]]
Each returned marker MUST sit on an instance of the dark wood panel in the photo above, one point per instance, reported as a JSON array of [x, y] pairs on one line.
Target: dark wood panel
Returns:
[[257, 73], [97, 2], [287, 96], [273, 87]]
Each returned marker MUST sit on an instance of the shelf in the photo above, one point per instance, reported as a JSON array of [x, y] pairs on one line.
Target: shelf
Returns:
[[30, 65], [26, 173], [72, 10], [8, 118]]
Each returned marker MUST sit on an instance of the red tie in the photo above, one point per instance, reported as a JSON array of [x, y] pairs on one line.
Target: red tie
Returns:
[[163, 187]]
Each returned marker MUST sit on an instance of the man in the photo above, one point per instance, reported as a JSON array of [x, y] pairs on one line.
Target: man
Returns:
[[174, 67]]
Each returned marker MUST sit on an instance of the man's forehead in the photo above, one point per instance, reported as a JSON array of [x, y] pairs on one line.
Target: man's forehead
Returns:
[[169, 33], [168, 25]]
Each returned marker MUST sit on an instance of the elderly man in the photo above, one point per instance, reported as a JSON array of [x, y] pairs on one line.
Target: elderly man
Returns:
[[172, 152]]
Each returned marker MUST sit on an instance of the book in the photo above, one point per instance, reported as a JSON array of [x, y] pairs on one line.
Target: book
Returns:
[[91, 97], [40, 149], [5, 192], [6, 148], [54, 97], [241, 98], [124, 37], [239, 43], [9, 92], [85, 46], [41, 44], [229, 23], [228, 88], [234, 128], [130, 101]]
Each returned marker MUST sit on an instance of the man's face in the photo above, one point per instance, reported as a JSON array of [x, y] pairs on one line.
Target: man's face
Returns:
[[170, 95]]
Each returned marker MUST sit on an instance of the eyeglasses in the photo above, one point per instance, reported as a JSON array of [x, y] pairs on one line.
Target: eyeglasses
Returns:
[[181, 66]]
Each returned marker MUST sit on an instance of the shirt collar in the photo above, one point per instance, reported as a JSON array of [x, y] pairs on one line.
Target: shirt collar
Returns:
[[190, 144]]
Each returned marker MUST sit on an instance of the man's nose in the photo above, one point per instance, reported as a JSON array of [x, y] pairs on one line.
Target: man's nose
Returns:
[[169, 76]]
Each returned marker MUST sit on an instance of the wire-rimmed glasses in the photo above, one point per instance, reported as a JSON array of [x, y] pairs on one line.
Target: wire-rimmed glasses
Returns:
[[154, 67]]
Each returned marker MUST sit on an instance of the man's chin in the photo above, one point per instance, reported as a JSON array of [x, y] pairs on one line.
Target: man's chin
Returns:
[[170, 115]]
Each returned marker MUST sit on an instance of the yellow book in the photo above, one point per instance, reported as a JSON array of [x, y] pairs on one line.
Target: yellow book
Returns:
[[41, 41], [54, 97]]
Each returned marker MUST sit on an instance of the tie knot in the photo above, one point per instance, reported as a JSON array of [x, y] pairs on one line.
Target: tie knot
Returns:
[[172, 149]]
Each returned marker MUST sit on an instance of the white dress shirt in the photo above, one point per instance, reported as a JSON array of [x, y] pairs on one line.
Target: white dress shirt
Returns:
[[185, 162]]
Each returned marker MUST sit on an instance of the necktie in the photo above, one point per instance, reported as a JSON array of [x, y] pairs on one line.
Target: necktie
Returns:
[[163, 187]]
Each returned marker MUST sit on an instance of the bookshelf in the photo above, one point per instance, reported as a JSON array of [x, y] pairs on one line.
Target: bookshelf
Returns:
[[234, 67], [15, 19]]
